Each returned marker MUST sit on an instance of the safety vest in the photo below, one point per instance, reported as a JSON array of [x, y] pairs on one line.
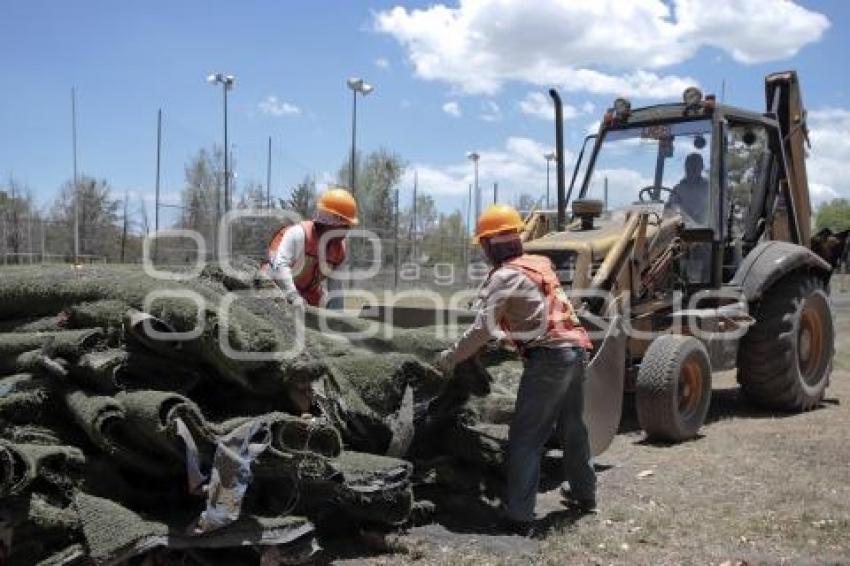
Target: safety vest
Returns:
[[309, 279], [561, 320]]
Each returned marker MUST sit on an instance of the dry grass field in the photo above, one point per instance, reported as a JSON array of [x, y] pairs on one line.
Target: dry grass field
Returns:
[[755, 488]]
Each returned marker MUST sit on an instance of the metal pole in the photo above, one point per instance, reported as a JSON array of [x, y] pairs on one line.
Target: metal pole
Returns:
[[76, 180], [124, 221], [466, 252], [158, 159], [353, 169], [269, 177], [559, 155], [469, 211], [395, 245], [415, 222], [29, 236], [495, 193], [606, 193], [477, 192], [440, 230], [226, 157]]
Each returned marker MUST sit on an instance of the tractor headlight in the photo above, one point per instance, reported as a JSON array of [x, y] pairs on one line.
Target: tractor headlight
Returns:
[[622, 107], [692, 96]]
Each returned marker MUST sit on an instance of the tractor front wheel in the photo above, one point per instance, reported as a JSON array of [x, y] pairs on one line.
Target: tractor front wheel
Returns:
[[673, 388]]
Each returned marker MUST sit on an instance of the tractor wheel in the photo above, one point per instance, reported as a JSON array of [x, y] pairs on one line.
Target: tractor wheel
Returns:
[[673, 388], [785, 359]]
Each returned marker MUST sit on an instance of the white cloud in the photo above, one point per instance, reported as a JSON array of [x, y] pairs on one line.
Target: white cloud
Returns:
[[527, 149], [829, 175], [588, 107], [751, 31], [541, 106], [481, 44], [490, 111], [271, 106], [405, 104], [821, 193], [518, 166], [638, 84], [382, 63], [592, 127], [452, 108]]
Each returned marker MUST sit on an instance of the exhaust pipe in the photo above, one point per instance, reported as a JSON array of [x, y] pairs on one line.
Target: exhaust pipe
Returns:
[[559, 152]]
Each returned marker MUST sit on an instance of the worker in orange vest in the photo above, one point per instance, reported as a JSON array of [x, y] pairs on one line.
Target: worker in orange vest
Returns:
[[297, 264], [522, 302]]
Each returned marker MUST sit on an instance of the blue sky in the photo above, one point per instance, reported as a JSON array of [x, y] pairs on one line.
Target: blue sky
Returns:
[[449, 78]]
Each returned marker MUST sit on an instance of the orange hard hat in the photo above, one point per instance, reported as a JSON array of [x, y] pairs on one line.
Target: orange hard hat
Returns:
[[497, 219], [340, 203]]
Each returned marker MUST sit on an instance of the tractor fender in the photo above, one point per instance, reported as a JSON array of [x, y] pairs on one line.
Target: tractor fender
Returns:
[[770, 261]]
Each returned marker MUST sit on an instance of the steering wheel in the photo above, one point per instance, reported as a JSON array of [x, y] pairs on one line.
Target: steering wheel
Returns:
[[645, 194]]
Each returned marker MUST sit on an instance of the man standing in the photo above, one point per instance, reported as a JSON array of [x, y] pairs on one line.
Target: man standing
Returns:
[[296, 262], [522, 300]]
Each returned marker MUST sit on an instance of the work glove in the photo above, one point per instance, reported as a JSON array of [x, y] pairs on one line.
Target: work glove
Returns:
[[295, 299], [444, 362]]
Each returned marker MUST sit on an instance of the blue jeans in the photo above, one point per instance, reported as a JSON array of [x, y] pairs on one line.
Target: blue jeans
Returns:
[[550, 396]]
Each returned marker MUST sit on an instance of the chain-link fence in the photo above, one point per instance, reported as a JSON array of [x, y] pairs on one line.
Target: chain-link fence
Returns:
[[377, 260], [32, 240]]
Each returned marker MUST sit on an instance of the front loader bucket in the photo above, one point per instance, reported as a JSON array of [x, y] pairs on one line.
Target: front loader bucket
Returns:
[[603, 387]]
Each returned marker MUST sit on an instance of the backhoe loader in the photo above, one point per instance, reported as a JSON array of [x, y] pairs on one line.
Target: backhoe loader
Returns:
[[689, 251]]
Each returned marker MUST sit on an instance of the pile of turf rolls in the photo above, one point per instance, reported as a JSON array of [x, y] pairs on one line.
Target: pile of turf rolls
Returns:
[[117, 387]]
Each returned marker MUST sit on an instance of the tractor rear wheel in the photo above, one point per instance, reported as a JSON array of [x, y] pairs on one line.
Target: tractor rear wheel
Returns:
[[673, 388], [785, 359]]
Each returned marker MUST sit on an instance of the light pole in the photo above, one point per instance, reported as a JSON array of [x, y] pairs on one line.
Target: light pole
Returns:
[[76, 179], [269, 176], [474, 157], [549, 157], [356, 85], [226, 82]]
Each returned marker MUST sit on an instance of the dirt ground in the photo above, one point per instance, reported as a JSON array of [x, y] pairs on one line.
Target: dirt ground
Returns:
[[755, 488]]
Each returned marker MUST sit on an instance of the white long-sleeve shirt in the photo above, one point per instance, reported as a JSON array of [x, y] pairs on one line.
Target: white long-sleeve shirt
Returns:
[[290, 259]]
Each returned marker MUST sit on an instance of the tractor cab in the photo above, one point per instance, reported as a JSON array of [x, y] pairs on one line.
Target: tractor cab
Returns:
[[714, 175]]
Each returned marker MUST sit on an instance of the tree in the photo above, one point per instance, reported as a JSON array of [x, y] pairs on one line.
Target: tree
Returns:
[[253, 196], [302, 198], [834, 215], [125, 225], [447, 239], [144, 217], [251, 233], [97, 218], [426, 217], [745, 170], [203, 195], [377, 176], [16, 218]]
